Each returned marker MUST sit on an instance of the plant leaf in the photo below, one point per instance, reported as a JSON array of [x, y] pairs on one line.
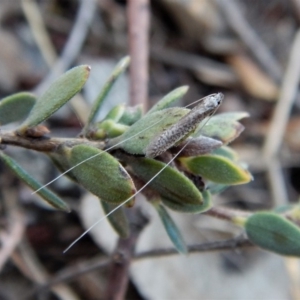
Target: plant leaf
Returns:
[[118, 70], [226, 152], [117, 219], [216, 169], [58, 94], [197, 146], [131, 115], [171, 228], [274, 233], [223, 129], [169, 99], [139, 135], [170, 183], [16, 107], [190, 208], [44, 193], [103, 175]]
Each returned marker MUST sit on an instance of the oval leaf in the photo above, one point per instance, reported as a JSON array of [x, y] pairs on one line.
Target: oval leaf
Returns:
[[169, 99], [223, 129], [115, 113], [139, 135], [117, 219], [190, 208], [60, 91], [16, 107], [44, 193], [216, 169], [274, 233], [197, 146], [131, 115], [170, 184], [102, 175], [226, 152], [171, 228]]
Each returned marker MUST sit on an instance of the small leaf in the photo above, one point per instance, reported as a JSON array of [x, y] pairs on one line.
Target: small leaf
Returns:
[[171, 229], [16, 107], [225, 130], [170, 183], [216, 169], [169, 99], [102, 175], [58, 94], [138, 136], [197, 146], [118, 70], [44, 193], [216, 188], [117, 219], [226, 152], [190, 208], [110, 129], [131, 115], [274, 233], [115, 113], [233, 116]]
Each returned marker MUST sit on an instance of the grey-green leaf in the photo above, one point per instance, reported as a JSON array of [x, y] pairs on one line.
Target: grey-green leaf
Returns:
[[169, 99], [58, 94], [171, 228], [117, 219], [44, 193], [102, 175], [274, 233], [16, 107], [170, 183], [185, 207]]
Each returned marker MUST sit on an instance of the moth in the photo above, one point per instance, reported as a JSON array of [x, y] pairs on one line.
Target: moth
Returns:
[[184, 126]]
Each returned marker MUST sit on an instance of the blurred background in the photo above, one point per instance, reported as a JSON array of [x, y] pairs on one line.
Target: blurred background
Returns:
[[248, 50]]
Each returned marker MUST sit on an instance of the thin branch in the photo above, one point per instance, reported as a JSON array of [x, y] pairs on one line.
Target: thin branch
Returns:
[[257, 47], [287, 96], [44, 144], [121, 259], [226, 213], [138, 20], [230, 244]]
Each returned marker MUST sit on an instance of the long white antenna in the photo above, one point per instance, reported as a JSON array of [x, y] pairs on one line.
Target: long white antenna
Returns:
[[93, 156], [136, 193]]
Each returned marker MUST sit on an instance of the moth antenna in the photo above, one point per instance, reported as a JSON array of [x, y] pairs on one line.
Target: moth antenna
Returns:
[[136, 193], [93, 156]]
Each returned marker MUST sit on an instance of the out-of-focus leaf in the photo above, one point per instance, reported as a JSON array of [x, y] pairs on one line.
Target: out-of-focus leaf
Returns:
[[16, 107], [131, 115], [197, 146], [170, 184], [223, 129], [216, 188], [118, 70], [59, 93], [117, 219], [102, 175], [115, 113], [190, 208], [274, 233], [138, 136], [216, 169], [226, 152], [169, 99], [232, 116], [110, 129], [44, 193], [171, 228]]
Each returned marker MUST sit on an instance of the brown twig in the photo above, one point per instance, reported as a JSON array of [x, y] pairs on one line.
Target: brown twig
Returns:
[[44, 144], [230, 244], [121, 259], [257, 47], [226, 213], [16, 226], [138, 21], [279, 121]]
